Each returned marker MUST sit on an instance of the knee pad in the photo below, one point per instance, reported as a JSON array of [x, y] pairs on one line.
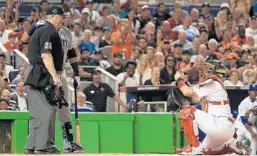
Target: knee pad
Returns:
[[187, 113], [187, 116], [68, 131]]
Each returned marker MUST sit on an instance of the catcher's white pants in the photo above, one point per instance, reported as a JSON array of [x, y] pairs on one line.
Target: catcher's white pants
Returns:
[[243, 133], [218, 130]]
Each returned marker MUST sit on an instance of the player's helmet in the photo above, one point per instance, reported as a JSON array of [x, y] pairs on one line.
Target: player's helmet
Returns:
[[213, 67]]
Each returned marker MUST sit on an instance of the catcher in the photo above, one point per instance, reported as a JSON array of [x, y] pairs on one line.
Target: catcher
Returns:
[[216, 122]]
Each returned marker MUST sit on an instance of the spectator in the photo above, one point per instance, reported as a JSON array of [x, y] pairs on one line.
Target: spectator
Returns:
[[165, 47], [185, 64], [182, 39], [81, 102], [239, 39], [190, 30], [145, 16], [76, 35], [195, 15], [43, 6], [25, 26], [195, 45], [85, 73], [20, 97], [167, 74], [94, 15], [142, 44], [150, 52], [175, 19], [143, 69], [159, 59], [161, 15], [117, 11], [99, 59], [11, 44], [167, 32], [102, 20], [252, 29], [204, 35], [206, 9], [234, 79], [106, 39], [9, 19], [116, 68], [225, 7], [176, 6], [129, 78], [97, 93], [4, 105], [177, 51], [241, 6], [123, 39], [86, 44], [226, 38], [6, 95], [84, 19], [135, 24], [4, 33], [7, 67], [20, 76], [34, 15], [213, 54]]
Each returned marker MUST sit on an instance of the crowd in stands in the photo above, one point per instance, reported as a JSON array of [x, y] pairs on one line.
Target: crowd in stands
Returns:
[[162, 44]]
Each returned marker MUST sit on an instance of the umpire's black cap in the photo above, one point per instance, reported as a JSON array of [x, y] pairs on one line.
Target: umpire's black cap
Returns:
[[55, 10]]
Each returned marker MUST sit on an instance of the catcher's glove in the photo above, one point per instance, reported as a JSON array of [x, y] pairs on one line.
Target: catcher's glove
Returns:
[[176, 97], [53, 94]]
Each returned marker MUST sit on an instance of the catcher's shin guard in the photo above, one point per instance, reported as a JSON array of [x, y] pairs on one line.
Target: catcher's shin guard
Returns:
[[187, 116], [68, 145]]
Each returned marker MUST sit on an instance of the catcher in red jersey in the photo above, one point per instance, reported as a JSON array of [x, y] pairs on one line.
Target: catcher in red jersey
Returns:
[[216, 122]]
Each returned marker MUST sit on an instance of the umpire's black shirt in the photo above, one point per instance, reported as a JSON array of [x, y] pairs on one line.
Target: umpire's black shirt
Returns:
[[46, 39], [98, 95]]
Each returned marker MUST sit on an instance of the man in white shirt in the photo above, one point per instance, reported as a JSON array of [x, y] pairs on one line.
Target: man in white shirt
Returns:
[[20, 97], [246, 118], [129, 78], [3, 32], [252, 29]]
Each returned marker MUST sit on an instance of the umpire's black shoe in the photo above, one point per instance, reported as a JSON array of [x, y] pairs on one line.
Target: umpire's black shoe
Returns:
[[75, 148], [28, 151], [52, 150]]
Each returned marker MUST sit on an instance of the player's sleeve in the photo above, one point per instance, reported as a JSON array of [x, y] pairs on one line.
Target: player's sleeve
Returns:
[[45, 41], [200, 91]]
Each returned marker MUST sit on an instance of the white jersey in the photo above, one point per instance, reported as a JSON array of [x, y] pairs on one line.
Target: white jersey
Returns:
[[244, 106], [66, 38], [214, 91]]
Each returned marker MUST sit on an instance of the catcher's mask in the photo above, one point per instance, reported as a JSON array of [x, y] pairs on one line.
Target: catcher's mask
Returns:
[[213, 67], [53, 94]]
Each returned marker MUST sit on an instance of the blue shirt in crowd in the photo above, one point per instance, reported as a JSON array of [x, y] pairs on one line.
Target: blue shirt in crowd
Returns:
[[88, 45], [122, 13]]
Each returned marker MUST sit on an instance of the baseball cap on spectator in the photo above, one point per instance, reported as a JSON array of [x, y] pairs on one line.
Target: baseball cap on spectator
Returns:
[[224, 5], [145, 7], [85, 10], [12, 34], [177, 45], [206, 4], [84, 50], [203, 30], [253, 87], [118, 55], [108, 28], [184, 52], [232, 55], [55, 10], [98, 52]]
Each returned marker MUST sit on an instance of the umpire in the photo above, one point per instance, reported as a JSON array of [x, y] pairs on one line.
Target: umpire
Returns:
[[45, 55]]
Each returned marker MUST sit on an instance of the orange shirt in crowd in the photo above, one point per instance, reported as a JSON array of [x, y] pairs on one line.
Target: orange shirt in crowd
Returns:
[[224, 43], [9, 47], [238, 41], [123, 43]]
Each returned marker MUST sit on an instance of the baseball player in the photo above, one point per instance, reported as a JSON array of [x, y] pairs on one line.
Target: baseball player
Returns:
[[247, 111], [217, 123], [64, 112]]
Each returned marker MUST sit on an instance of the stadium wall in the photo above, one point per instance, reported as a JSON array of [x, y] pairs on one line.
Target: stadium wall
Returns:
[[111, 132]]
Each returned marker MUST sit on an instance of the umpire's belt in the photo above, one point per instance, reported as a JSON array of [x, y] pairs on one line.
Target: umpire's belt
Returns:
[[225, 102]]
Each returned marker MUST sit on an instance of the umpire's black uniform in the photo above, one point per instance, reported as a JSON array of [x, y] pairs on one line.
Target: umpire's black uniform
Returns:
[[45, 39]]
